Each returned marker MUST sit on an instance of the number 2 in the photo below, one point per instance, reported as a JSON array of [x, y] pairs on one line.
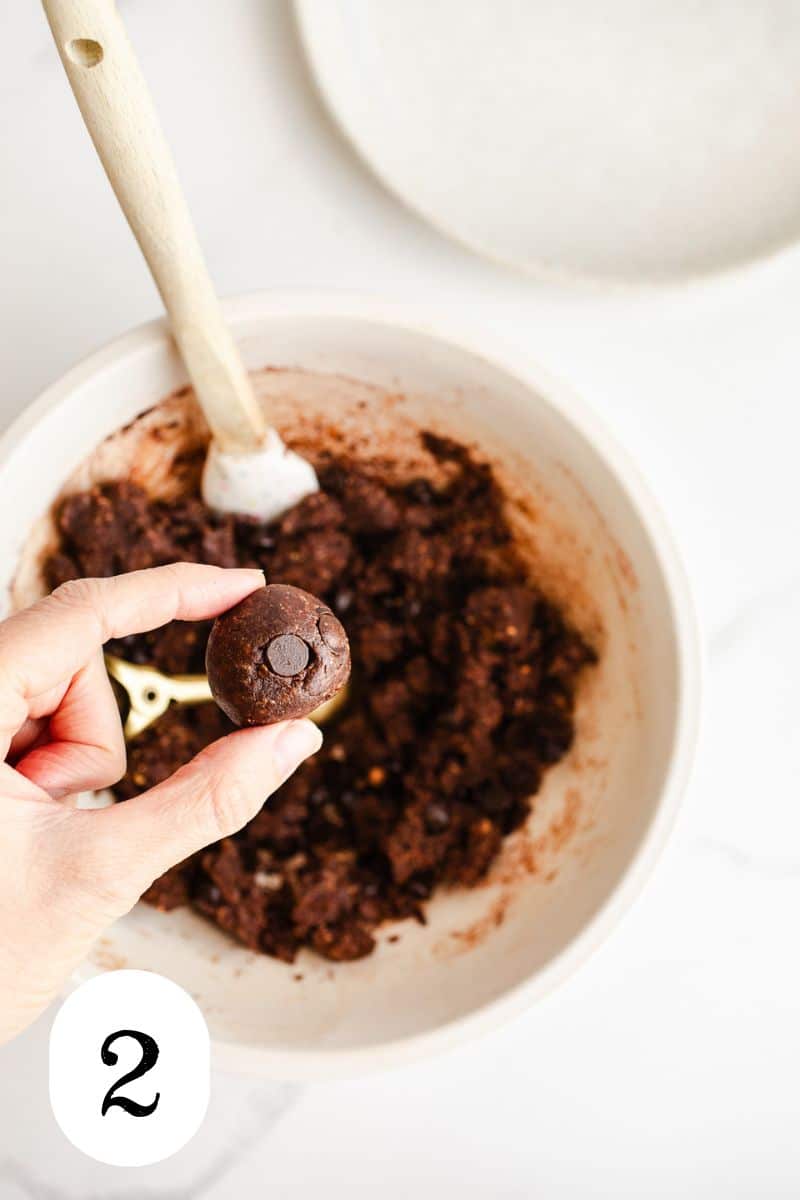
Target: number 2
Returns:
[[149, 1048]]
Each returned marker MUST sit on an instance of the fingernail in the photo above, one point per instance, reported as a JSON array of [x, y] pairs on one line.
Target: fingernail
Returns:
[[250, 572], [296, 742]]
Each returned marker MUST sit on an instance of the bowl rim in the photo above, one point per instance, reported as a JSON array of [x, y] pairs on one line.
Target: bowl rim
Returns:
[[322, 1063]]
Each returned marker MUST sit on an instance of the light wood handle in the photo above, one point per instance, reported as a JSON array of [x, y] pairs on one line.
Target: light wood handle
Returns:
[[119, 114]]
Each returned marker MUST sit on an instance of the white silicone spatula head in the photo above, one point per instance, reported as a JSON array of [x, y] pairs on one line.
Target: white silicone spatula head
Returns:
[[248, 468]]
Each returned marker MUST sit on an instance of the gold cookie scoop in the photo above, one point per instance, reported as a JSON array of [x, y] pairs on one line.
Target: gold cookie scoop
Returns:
[[150, 693]]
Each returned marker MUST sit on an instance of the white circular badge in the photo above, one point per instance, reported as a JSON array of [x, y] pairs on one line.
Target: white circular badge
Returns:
[[129, 1068]]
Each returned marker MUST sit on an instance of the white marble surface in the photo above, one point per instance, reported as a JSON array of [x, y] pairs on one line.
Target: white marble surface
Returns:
[[668, 1066]]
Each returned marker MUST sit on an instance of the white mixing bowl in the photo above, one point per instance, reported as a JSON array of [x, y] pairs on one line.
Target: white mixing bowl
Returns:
[[602, 814]]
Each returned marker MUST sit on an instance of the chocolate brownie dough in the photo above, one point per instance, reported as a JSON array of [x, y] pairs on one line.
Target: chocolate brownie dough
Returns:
[[466, 677], [280, 653]]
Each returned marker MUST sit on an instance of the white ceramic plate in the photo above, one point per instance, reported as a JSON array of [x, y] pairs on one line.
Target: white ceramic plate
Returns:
[[631, 139]]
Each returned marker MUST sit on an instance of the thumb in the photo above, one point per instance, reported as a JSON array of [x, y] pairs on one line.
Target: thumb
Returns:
[[213, 796]]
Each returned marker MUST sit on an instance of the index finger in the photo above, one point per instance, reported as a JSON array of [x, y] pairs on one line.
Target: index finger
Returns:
[[43, 646]]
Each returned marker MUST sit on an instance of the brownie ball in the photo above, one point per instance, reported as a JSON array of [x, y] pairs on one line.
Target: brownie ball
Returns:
[[278, 654]]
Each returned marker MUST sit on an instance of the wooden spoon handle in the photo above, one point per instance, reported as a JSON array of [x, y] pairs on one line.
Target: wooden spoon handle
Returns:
[[119, 114]]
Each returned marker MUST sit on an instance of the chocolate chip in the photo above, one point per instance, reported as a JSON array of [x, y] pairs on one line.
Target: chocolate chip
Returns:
[[437, 817], [287, 655], [209, 892], [332, 633], [419, 491]]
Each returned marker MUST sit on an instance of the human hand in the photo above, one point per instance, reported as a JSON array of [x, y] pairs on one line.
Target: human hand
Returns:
[[68, 873]]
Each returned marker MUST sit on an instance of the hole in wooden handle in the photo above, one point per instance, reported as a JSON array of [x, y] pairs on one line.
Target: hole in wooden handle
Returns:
[[86, 52]]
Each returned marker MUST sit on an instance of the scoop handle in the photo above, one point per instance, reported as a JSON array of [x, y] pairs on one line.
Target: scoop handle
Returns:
[[118, 112]]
